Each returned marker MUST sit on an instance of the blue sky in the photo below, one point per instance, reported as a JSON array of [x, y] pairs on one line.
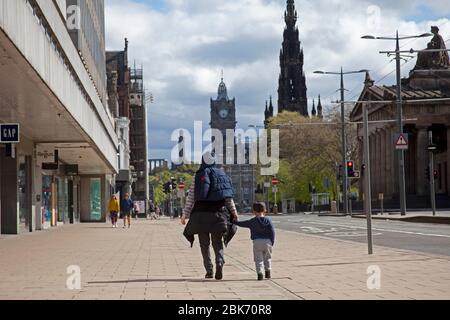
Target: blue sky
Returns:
[[184, 45], [159, 5]]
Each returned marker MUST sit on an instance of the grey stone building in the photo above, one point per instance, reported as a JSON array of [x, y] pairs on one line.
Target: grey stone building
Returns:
[[422, 113], [223, 118]]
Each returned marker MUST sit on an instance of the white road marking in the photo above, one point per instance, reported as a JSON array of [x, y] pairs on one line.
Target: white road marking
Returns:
[[378, 229]]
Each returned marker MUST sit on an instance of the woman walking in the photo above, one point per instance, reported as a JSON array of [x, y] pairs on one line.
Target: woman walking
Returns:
[[114, 209]]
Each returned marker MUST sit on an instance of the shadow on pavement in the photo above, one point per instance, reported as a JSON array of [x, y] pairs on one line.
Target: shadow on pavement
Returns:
[[177, 280]]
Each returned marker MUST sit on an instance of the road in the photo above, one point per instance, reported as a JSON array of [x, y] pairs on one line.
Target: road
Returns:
[[420, 237]]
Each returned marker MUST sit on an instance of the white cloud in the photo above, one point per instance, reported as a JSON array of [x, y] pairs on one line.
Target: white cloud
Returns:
[[184, 48]]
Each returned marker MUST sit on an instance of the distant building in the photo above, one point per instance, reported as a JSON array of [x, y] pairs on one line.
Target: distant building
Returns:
[[292, 82], [127, 100], [139, 134], [223, 117]]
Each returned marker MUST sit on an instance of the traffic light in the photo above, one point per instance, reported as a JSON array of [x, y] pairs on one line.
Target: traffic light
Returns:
[[167, 187], [350, 169], [363, 170], [435, 175], [259, 189]]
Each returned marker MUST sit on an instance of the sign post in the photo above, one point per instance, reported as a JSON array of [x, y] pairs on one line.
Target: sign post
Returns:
[[10, 135], [181, 187], [401, 141]]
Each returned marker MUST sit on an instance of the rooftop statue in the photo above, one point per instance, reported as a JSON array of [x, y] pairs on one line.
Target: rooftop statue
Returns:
[[434, 60]]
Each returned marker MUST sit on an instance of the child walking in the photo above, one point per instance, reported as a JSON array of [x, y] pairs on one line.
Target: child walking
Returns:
[[263, 236]]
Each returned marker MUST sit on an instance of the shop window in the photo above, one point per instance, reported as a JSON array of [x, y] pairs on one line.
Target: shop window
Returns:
[[95, 198]]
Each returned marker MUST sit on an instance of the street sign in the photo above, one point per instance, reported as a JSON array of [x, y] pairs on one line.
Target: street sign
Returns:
[[356, 175], [401, 141], [10, 133], [275, 181], [274, 189], [181, 186], [266, 184]]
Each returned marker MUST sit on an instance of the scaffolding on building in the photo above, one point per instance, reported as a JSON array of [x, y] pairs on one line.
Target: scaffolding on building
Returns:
[[138, 135]]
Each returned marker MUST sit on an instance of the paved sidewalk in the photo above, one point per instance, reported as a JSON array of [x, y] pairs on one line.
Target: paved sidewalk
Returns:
[[153, 261]]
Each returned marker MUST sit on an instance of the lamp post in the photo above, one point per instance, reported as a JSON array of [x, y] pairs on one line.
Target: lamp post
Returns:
[[266, 179], [431, 149], [401, 154], [343, 133]]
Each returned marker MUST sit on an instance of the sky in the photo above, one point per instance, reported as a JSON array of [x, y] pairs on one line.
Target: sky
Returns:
[[184, 44]]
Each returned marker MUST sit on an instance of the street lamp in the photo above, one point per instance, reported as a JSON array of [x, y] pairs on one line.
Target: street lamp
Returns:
[[398, 57], [431, 150], [344, 140]]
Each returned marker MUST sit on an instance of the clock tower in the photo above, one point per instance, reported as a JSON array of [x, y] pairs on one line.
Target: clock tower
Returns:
[[223, 112]]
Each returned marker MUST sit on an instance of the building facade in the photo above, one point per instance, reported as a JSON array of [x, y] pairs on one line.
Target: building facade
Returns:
[[138, 136], [426, 108], [62, 169], [89, 39], [223, 118], [292, 90], [118, 80]]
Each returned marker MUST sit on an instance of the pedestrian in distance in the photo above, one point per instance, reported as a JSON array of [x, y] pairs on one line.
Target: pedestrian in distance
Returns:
[[114, 209], [126, 207], [263, 236], [152, 210], [136, 209], [210, 209]]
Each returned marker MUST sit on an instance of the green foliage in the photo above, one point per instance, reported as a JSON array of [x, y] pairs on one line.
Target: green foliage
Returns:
[[161, 177], [310, 150]]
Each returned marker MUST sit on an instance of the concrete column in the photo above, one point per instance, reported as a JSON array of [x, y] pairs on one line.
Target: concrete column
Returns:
[[383, 161], [8, 194], [378, 176], [448, 160], [85, 197], [422, 185], [390, 168], [372, 161]]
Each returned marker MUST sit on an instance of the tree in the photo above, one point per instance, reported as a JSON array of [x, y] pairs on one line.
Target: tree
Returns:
[[310, 150]]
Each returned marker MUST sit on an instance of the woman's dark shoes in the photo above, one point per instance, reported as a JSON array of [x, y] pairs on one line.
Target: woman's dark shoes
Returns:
[[209, 275], [260, 277], [219, 273], [268, 275]]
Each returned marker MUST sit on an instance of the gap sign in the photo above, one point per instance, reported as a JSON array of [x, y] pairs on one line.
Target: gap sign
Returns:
[[9, 133]]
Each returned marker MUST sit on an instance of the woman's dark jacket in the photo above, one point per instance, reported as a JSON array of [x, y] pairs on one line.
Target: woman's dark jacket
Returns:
[[210, 215]]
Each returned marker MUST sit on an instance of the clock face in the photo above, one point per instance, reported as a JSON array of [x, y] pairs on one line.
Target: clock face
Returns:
[[223, 113]]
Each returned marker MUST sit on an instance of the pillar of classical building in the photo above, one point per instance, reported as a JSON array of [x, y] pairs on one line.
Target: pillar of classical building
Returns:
[[383, 161], [390, 164], [422, 161]]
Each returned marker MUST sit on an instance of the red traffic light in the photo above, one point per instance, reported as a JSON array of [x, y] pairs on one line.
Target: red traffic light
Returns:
[[350, 164]]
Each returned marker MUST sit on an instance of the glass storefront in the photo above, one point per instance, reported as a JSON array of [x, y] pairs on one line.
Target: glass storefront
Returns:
[[22, 195], [96, 199], [63, 203], [47, 182]]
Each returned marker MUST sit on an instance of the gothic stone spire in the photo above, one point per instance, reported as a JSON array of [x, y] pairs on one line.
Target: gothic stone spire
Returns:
[[292, 83]]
